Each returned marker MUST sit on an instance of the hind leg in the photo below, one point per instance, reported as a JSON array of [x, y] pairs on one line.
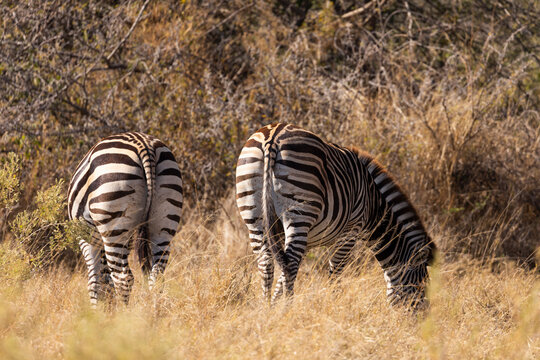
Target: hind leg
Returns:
[[296, 232], [165, 212], [299, 212], [265, 258], [99, 281], [160, 251], [116, 253], [278, 291], [265, 264], [294, 255], [107, 285], [117, 211], [341, 256], [92, 257], [285, 283], [117, 245]]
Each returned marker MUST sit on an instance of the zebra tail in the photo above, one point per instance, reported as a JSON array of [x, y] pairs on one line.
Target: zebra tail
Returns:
[[142, 242], [144, 253], [270, 218]]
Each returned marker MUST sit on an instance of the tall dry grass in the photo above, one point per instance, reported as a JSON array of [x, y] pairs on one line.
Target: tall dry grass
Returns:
[[209, 307], [445, 94]]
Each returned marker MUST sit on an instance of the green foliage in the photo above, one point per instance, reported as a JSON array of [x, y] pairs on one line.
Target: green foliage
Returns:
[[24, 225], [43, 232], [50, 203], [48, 213], [10, 187]]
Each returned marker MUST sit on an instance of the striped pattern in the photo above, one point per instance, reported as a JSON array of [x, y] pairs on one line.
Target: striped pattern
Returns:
[[295, 191], [126, 184]]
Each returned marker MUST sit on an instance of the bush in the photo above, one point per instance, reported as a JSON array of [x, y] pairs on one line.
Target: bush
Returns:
[[446, 94], [43, 234], [10, 189]]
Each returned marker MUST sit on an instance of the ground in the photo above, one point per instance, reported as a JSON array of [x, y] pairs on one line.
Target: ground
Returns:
[[209, 306]]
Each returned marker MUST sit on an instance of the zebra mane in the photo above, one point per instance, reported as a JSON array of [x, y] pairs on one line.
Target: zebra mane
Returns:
[[376, 169]]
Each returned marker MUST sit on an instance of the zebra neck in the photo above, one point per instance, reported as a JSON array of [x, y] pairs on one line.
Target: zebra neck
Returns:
[[396, 234]]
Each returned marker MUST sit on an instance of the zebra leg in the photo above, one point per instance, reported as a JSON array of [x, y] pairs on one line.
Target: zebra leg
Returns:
[[105, 275], [295, 248], [154, 253], [92, 256], [265, 257], [341, 256], [117, 260], [279, 288], [265, 264], [296, 226], [160, 231], [294, 255], [160, 258]]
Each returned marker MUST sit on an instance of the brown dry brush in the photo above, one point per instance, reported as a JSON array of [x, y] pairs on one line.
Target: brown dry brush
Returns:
[[445, 94]]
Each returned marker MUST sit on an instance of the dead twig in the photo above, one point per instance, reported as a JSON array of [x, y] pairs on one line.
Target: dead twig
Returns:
[[128, 34]]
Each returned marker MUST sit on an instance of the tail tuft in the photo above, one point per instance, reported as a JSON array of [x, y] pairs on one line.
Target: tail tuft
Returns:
[[144, 252]]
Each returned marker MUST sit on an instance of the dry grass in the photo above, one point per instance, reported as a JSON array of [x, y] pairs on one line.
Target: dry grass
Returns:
[[210, 307], [445, 94]]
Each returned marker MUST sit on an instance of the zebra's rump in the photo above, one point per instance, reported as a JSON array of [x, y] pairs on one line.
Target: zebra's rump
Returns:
[[119, 174], [304, 181]]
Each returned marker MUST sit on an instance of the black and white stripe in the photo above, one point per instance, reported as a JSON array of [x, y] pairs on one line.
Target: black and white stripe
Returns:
[[295, 191], [127, 183]]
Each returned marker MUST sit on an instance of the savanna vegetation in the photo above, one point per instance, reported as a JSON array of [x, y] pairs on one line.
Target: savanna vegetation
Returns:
[[444, 93]]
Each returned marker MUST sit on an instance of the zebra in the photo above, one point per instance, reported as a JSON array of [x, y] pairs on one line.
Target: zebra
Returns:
[[126, 183], [294, 191]]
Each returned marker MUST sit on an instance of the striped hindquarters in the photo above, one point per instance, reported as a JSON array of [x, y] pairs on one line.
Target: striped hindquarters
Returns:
[[127, 183], [115, 168]]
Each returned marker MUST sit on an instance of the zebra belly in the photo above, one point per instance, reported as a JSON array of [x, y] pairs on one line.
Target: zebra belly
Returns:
[[299, 196]]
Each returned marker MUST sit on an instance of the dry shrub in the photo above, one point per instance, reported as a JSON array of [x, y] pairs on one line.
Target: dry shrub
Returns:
[[444, 93]]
